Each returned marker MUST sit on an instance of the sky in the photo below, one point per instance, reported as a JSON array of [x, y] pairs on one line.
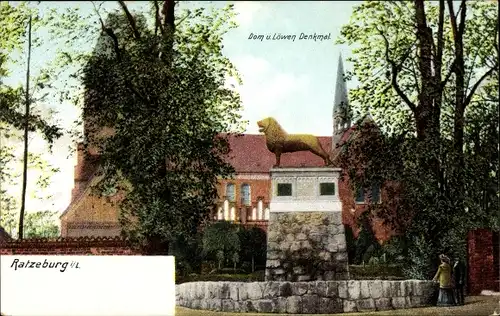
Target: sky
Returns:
[[293, 81]]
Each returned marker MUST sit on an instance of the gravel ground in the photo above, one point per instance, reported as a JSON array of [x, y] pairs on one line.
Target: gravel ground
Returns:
[[475, 306]]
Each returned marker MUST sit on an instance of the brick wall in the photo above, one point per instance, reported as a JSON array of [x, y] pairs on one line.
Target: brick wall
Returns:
[[482, 273], [351, 211], [68, 246], [258, 188]]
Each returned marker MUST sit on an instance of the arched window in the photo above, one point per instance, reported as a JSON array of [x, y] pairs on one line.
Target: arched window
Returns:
[[360, 195], [266, 214], [375, 193], [220, 213], [245, 194], [226, 211], [230, 192], [259, 210], [254, 214], [232, 213], [260, 216]]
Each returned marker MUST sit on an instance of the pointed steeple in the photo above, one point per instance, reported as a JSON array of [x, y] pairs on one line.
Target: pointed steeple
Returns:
[[341, 111]]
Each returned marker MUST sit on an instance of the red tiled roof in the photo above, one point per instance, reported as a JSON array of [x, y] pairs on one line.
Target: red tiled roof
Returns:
[[249, 154]]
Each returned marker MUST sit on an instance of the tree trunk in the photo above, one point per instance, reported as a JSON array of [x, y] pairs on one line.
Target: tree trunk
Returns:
[[168, 12], [459, 70], [426, 113], [424, 110], [26, 129], [253, 264], [458, 133]]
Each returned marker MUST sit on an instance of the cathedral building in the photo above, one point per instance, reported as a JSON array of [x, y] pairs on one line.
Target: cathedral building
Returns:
[[244, 198]]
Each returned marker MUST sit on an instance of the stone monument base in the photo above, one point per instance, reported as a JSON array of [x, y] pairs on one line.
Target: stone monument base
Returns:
[[306, 246], [306, 240]]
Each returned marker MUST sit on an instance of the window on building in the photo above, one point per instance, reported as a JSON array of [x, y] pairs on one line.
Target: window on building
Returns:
[[284, 189], [252, 214], [232, 214], [375, 194], [245, 194], [327, 188], [360, 195], [230, 194], [226, 211], [258, 210], [266, 214]]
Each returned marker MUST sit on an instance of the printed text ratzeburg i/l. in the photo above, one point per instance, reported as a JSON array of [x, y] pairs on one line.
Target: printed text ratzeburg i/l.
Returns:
[[28, 264], [290, 37]]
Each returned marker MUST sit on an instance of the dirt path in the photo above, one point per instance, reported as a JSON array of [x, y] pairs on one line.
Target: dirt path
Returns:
[[475, 306]]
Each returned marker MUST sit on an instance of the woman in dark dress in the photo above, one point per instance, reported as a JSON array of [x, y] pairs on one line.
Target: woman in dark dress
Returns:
[[443, 276]]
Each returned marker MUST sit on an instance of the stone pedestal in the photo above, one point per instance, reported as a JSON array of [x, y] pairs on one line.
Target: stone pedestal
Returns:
[[306, 240]]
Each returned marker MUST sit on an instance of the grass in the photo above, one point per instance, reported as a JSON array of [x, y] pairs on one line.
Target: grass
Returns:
[[474, 306]]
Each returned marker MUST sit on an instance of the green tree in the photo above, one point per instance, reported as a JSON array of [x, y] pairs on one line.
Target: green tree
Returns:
[[27, 103], [221, 240], [35, 96], [424, 71], [188, 254], [7, 201], [253, 245], [160, 88], [41, 224], [41, 172]]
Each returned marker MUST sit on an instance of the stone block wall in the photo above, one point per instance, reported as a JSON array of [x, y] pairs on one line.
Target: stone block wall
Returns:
[[306, 246], [322, 297]]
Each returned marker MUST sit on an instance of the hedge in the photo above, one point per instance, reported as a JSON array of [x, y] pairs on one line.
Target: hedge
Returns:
[[253, 277], [357, 272]]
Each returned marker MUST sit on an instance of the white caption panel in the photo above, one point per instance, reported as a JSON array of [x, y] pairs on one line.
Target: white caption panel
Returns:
[[87, 285]]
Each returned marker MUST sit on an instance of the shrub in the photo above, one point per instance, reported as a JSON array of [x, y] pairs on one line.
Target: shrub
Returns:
[[253, 243], [187, 255], [253, 277], [366, 245], [221, 241], [350, 243], [376, 271]]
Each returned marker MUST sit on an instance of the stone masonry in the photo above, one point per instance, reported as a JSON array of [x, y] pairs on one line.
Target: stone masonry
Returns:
[[320, 297], [306, 240], [306, 246]]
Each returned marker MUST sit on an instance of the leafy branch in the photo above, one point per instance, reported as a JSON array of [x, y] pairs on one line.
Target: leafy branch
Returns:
[[395, 68]]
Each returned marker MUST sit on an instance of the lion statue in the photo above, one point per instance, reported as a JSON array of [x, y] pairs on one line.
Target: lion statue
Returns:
[[279, 142]]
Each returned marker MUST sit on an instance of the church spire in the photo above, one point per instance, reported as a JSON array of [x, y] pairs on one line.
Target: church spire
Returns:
[[341, 111]]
